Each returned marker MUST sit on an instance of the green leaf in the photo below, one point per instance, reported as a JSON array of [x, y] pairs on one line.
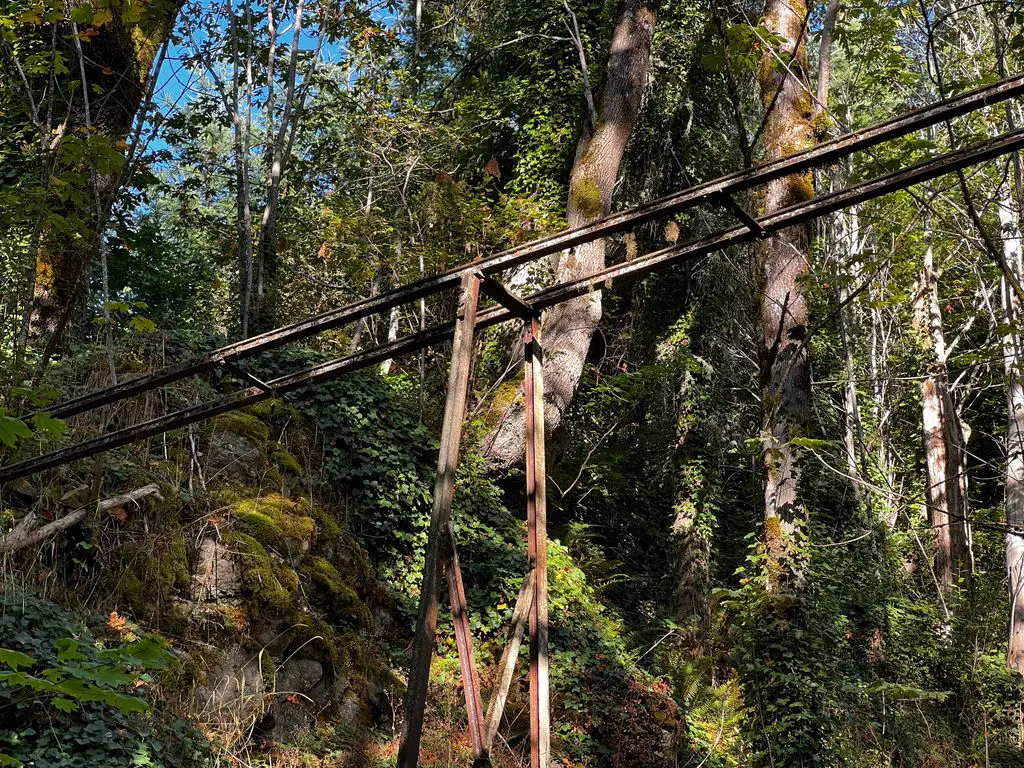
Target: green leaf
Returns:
[[12, 430], [64, 705], [810, 443], [15, 659], [67, 649], [141, 324], [82, 14], [45, 424]]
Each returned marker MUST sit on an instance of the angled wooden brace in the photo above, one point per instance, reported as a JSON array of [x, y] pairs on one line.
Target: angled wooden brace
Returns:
[[509, 300], [509, 656], [440, 556]]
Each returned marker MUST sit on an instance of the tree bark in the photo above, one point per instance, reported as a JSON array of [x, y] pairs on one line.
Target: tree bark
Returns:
[[785, 365], [945, 459], [828, 27], [118, 58], [569, 327], [1014, 439]]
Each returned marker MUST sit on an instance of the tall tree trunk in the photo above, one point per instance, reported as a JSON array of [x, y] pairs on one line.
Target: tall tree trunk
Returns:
[[243, 190], [785, 365], [117, 58], [1013, 361], [569, 327], [691, 549], [945, 459], [268, 224], [828, 28]]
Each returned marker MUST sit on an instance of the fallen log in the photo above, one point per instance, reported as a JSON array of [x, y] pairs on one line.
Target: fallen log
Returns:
[[27, 532]]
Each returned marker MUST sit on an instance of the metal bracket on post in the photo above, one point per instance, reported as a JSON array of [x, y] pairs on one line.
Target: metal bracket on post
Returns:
[[536, 517], [440, 554], [501, 294]]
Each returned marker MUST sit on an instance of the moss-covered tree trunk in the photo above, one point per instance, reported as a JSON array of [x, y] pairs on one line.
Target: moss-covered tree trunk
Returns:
[[569, 327], [119, 47], [783, 315]]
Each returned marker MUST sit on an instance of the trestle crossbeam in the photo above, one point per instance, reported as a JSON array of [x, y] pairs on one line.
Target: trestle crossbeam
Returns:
[[800, 213], [822, 154]]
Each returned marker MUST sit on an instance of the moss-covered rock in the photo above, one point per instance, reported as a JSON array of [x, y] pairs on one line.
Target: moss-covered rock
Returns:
[[259, 573], [244, 424], [285, 525], [334, 592]]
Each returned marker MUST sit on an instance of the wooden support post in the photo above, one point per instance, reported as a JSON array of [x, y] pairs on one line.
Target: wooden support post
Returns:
[[467, 663], [509, 656], [536, 517], [444, 493]]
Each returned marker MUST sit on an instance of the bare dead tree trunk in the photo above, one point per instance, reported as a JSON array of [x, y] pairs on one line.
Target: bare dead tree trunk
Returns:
[[880, 410], [1013, 361], [569, 327], [785, 366], [853, 435], [943, 440]]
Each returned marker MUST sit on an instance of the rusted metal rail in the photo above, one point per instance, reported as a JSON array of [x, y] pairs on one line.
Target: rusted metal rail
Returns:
[[652, 262], [718, 191]]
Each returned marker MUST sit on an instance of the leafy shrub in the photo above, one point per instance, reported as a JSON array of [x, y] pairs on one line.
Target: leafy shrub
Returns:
[[67, 698]]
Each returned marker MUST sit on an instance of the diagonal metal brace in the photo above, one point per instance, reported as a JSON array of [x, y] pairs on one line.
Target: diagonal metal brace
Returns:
[[740, 213], [246, 376], [501, 294]]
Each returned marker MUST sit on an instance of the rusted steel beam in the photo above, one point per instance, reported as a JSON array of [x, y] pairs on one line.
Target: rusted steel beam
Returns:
[[467, 661], [440, 519], [509, 656], [537, 546], [498, 291], [652, 262], [822, 154]]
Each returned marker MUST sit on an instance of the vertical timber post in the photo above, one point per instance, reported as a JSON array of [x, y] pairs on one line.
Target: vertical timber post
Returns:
[[536, 517], [444, 493]]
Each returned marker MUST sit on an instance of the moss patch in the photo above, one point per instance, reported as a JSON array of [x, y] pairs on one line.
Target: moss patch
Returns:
[[281, 458], [585, 196], [260, 573], [334, 591], [283, 524], [245, 424]]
